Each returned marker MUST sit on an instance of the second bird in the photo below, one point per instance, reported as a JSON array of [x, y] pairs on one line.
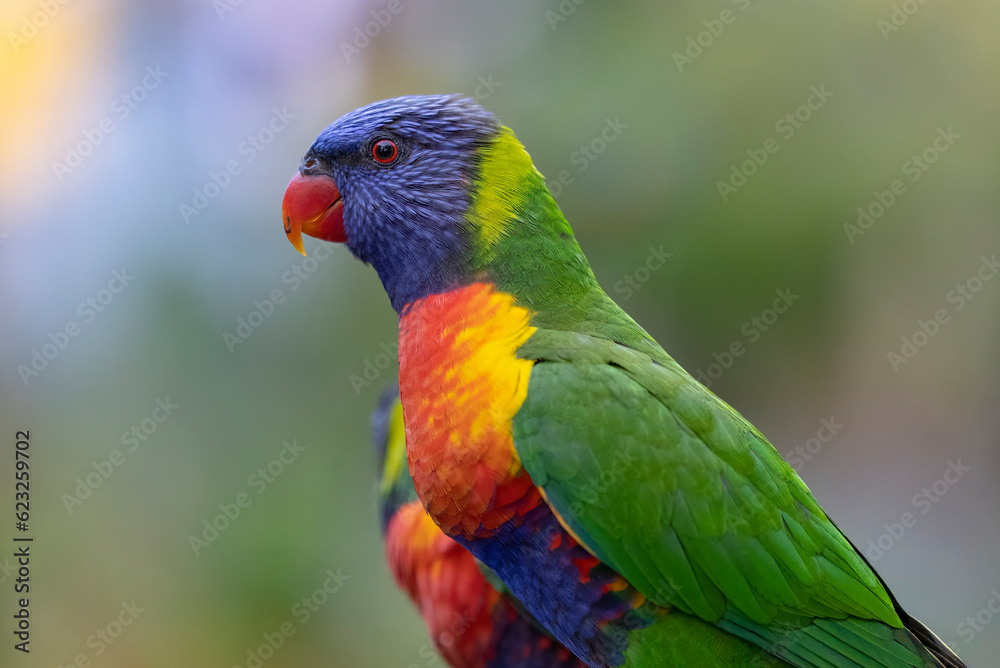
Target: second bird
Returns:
[[473, 622]]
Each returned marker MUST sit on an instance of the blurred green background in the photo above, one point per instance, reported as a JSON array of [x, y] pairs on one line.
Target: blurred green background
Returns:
[[246, 85]]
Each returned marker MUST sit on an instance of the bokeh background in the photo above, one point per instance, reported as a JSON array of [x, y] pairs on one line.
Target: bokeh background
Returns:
[[245, 85]]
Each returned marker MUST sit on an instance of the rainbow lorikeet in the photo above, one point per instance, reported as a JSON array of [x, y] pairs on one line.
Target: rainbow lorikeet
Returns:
[[635, 515], [473, 621]]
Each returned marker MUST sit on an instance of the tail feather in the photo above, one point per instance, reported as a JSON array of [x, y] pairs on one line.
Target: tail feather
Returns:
[[944, 655], [921, 635], [835, 643]]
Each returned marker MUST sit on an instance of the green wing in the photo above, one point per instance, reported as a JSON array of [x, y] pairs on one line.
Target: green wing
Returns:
[[675, 490]]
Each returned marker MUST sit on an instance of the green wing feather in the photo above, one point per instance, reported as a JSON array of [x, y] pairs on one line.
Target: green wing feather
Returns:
[[674, 489]]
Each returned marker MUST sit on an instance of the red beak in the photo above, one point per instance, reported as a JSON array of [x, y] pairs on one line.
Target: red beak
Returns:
[[313, 206]]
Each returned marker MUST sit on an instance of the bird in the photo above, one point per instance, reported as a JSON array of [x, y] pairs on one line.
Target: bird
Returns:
[[473, 620], [634, 514]]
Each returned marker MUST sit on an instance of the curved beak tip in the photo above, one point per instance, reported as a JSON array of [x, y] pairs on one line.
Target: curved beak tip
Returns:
[[294, 234]]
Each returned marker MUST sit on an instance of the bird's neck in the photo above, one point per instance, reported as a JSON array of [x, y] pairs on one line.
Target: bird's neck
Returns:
[[519, 239]]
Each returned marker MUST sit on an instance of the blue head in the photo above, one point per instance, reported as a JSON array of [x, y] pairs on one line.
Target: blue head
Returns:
[[392, 180]]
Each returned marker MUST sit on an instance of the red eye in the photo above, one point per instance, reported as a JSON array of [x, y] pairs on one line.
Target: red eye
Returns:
[[384, 151]]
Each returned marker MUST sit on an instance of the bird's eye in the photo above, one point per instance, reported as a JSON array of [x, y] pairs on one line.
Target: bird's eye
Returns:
[[384, 151], [310, 163]]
